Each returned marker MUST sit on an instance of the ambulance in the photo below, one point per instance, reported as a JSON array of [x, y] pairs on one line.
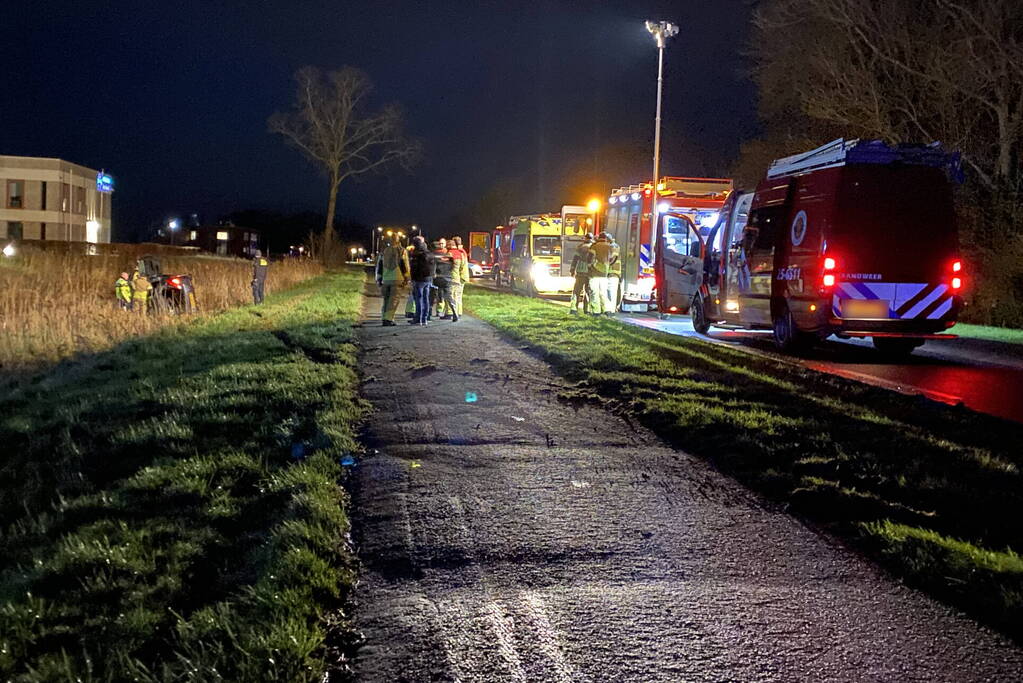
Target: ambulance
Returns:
[[695, 201], [855, 239], [532, 254], [480, 251]]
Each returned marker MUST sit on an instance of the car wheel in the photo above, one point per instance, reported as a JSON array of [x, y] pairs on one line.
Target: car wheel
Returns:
[[699, 316], [896, 346], [788, 337]]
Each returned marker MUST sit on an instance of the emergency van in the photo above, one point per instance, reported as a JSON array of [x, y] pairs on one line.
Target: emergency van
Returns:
[[479, 251], [628, 220], [530, 252], [855, 238]]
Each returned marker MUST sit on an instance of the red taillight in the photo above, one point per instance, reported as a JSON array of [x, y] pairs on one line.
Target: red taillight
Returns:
[[957, 266], [175, 282], [829, 264], [673, 309], [957, 283], [829, 280]]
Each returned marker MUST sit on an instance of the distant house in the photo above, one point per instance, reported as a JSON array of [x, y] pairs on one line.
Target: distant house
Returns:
[[224, 240]]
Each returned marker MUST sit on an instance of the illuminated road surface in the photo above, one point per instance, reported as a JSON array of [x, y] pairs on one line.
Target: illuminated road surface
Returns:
[[983, 376]]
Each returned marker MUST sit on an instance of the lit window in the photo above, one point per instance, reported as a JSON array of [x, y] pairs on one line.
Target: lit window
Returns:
[[15, 194], [192, 235], [222, 235]]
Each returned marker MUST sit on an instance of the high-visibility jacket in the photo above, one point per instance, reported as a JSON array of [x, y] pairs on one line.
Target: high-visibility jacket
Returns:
[[601, 256], [392, 265], [122, 289], [260, 264], [616, 263], [581, 259], [460, 273]]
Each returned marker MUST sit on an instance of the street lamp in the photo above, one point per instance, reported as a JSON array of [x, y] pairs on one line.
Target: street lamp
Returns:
[[661, 32], [173, 225], [593, 206]]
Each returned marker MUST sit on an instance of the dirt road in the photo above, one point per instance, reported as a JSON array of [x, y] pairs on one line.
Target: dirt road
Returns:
[[509, 537]]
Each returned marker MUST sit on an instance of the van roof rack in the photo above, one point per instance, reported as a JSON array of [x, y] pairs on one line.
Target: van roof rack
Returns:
[[841, 152]]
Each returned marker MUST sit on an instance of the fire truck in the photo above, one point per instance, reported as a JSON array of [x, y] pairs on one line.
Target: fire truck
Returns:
[[628, 220], [532, 253], [855, 238], [479, 251]]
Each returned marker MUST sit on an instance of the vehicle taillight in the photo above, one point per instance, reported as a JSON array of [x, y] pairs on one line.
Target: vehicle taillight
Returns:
[[828, 280], [175, 282], [957, 266], [829, 263], [956, 282]]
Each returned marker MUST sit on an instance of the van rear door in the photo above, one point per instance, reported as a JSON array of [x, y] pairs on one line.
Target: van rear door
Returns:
[[681, 258]]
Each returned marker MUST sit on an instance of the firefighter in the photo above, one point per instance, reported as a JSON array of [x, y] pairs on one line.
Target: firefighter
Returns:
[[579, 270], [601, 255], [260, 265], [614, 277], [392, 274], [445, 266], [140, 289], [460, 272], [122, 290]]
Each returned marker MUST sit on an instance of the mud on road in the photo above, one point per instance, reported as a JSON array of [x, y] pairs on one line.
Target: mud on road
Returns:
[[507, 536]]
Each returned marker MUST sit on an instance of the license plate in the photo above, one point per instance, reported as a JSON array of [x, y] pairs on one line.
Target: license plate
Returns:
[[856, 308]]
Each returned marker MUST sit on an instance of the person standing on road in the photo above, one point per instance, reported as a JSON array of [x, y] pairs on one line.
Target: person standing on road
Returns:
[[260, 266], [460, 272], [614, 277], [443, 277], [600, 256], [122, 290], [424, 268], [579, 269], [392, 274]]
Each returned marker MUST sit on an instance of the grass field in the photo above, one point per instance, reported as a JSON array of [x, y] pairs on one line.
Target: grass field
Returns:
[[56, 303], [987, 333], [172, 507], [932, 491]]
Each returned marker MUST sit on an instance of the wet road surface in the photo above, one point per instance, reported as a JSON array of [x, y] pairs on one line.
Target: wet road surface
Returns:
[[983, 376], [508, 537]]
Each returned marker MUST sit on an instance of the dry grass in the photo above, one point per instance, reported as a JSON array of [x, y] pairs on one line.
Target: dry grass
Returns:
[[54, 304]]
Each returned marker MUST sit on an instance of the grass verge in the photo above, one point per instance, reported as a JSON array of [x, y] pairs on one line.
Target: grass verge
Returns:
[[172, 508], [932, 491], [1004, 335]]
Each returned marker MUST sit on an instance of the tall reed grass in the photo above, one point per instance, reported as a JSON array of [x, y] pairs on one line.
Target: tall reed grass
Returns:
[[56, 303]]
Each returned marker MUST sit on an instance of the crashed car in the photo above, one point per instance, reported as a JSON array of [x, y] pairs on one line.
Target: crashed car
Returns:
[[173, 294]]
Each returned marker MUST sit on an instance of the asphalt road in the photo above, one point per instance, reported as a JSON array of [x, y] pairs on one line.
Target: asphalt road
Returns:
[[983, 376], [508, 537]]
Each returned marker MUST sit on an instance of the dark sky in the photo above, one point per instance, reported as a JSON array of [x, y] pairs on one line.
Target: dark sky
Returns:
[[172, 97]]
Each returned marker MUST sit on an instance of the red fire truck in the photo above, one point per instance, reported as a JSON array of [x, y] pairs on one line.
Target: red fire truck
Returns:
[[855, 238], [629, 210]]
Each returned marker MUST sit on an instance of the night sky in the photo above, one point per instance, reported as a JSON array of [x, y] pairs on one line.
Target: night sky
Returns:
[[172, 98]]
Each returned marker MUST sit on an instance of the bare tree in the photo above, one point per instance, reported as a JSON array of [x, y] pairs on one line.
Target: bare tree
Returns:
[[949, 70], [330, 125]]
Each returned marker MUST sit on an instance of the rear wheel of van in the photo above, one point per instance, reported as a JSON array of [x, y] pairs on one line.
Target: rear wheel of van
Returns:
[[699, 316], [896, 346], [788, 337]]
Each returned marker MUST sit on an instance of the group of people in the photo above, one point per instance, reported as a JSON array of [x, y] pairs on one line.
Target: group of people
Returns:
[[437, 277], [597, 269], [132, 292]]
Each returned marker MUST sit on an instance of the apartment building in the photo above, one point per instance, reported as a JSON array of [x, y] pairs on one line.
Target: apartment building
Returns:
[[53, 199]]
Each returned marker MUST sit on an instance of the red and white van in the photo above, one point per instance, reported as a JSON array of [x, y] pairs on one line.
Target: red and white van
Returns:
[[855, 238]]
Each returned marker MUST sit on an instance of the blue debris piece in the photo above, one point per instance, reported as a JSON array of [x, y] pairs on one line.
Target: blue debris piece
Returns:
[[298, 450], [470, 397], [347, 461]]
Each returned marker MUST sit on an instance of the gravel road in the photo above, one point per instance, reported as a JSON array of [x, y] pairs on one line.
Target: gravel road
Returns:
[[507, 536]]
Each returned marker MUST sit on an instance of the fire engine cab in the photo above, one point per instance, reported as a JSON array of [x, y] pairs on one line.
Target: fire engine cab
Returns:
[[855, 238], [696, 201]]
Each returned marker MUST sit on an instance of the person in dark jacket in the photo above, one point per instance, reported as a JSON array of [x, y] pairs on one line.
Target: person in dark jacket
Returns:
[[260, 264], [424, 270], [442, 278]]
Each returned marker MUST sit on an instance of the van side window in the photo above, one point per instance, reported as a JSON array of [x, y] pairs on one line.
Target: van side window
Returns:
[[764, 223]]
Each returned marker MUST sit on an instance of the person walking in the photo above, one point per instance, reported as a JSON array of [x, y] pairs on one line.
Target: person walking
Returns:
[[122, 290], [600, 256], [443, 277], [460, 272], [260, 266], [579, 269], [423, 267], [140, 289], [614, 277], [392, 275]]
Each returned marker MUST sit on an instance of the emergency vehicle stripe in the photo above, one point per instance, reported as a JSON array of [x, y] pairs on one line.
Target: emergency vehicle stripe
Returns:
[[644, 255], [935, 305], [942, 309], [850, 291], [913, 301], [933, 295]]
